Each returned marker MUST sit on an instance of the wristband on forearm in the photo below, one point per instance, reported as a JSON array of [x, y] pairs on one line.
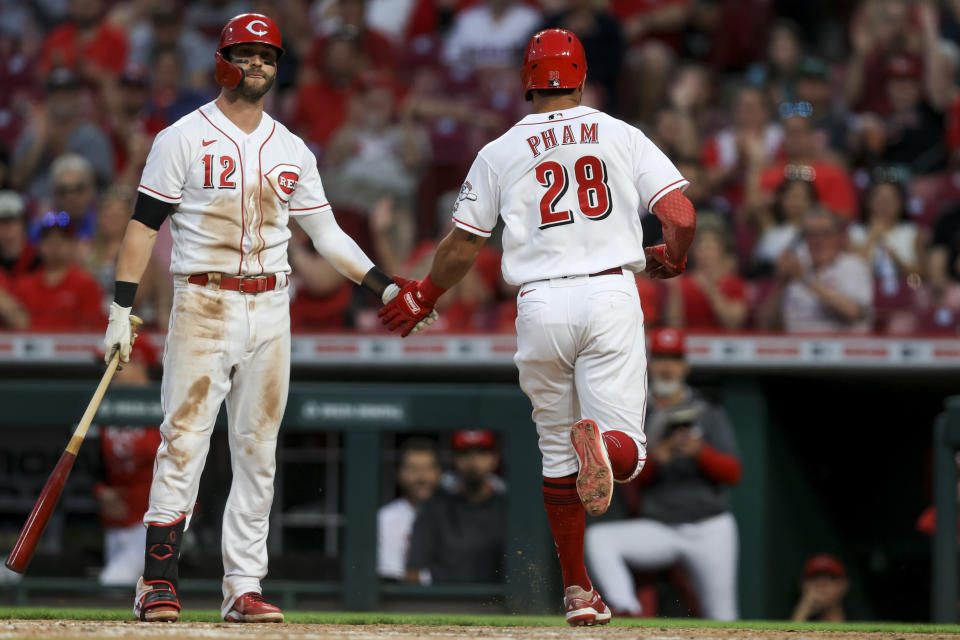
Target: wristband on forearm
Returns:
[[124, 293], [376, 281], [430, 291]]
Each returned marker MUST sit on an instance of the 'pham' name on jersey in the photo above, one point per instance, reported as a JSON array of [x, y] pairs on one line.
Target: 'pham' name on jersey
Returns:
[[548, 137]]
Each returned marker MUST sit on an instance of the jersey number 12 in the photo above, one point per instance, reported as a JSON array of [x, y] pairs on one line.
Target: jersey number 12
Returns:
[[228, 165], [593, 192]]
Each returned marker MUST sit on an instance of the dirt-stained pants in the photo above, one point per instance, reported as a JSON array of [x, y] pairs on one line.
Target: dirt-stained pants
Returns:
[[224, 345]]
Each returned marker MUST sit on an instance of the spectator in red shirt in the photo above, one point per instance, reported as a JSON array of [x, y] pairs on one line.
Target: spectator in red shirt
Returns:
[[710, 295], [130, 126], [320, 105], [86, 43], [350, 16], [127, 454], [60, 296], [878, 32], [17, 255], [319, 296], [805, 158]]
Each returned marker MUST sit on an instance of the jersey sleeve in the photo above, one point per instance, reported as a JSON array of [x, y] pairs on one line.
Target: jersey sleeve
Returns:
[[653, 173], [309, 196], [165, 172], [478, 203]]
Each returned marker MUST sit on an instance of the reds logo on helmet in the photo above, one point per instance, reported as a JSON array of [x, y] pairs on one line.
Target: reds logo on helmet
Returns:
[[259, 31], [287, 181]]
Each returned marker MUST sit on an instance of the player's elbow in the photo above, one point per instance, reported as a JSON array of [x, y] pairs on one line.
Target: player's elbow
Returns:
[[676, 211]]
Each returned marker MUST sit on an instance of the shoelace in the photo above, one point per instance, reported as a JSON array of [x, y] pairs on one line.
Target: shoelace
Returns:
[[256, 597]]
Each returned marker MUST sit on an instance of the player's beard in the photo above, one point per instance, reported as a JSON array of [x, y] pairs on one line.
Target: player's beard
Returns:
[[251, 93]]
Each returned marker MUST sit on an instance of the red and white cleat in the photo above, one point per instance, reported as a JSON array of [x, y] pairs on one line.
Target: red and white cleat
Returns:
[[251, 607], [156, 602], [595, 477], [585, 608]]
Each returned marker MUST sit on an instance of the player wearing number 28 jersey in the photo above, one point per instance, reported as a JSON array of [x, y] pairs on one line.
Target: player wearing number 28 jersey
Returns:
[[569, 182]]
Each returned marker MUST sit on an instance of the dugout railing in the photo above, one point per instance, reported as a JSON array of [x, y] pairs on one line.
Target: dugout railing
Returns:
[[361, 413]]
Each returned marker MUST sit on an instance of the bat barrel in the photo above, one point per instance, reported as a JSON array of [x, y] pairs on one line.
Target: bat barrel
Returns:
[[26, 543]]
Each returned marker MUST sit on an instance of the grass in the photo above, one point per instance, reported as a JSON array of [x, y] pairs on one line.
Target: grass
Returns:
[[473, 620]]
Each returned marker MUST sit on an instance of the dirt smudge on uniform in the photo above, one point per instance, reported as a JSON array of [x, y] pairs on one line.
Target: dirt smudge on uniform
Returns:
[[220, 227], [190, 408], [269, 222], [273, 399], [178, 454]]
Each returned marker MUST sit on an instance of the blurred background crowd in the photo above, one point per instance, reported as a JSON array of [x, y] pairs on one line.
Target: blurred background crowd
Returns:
[[820, 140]]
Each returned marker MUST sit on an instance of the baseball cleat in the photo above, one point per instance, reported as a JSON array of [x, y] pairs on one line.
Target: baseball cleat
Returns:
[[159, 604], [584, 608], [595, 478], [251, 607]]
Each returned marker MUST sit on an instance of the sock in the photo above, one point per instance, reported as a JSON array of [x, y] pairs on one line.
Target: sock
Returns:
[[163, 552], [623, 453], [567, 523]]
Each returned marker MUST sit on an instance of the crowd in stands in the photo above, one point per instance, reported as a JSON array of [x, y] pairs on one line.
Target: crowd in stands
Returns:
[[820, 140]]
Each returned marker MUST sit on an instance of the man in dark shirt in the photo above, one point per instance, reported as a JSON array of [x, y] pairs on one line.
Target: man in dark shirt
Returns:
[[684, 515], [460, 534]]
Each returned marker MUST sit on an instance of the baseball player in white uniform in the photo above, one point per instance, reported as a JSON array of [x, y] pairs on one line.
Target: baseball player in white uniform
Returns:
[[569, 182], [229, 177]]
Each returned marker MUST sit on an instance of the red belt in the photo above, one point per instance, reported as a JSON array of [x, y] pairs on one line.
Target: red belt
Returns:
[[615, 271], [243, 285]]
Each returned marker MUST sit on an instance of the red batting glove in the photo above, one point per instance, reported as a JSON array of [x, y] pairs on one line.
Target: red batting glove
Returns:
[[659, 264], [414, 303]]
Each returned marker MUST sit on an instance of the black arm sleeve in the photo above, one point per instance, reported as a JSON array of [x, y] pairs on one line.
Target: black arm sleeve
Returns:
[[376, 281], [150, 211]]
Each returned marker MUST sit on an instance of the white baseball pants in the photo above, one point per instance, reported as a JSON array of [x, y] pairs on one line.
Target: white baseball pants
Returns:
[[234, 347], [707, 549], [581, 355]]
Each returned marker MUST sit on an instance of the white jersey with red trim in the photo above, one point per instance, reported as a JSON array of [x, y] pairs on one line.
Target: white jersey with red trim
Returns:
[[233, 192], [569, 186]]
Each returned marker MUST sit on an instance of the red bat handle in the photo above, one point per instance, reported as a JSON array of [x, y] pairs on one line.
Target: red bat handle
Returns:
[[26, 544]]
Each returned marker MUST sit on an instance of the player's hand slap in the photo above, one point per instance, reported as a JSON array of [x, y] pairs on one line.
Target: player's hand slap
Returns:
[[411, 310], [659, 264]]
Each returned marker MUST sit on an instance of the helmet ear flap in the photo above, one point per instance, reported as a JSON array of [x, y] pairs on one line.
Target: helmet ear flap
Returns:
[[227, 74]]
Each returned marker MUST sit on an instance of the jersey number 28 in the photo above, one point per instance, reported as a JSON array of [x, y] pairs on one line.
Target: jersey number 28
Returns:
[[593, 192]]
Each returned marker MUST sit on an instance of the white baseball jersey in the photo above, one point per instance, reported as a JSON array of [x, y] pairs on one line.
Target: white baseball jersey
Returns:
[[569, 186], [233, 191]]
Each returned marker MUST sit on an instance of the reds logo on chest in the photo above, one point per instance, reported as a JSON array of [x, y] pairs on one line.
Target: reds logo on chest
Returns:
[[283, 180], [287, 181]]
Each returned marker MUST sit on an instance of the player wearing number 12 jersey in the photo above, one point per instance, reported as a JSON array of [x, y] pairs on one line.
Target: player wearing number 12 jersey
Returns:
[[569, 182]]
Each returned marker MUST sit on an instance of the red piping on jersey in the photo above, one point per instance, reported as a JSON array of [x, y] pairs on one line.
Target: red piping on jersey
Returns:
[[158, 193], [471, 226], [320, 206], [672, 184], [281, 165], [243, 188], [548, 121], [260, 196]]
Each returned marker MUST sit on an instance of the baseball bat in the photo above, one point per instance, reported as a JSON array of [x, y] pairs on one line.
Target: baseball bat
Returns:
[[36, 522]]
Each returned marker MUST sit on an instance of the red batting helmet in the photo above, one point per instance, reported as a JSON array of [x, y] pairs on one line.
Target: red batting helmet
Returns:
[[246, 27], [554, 60]]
